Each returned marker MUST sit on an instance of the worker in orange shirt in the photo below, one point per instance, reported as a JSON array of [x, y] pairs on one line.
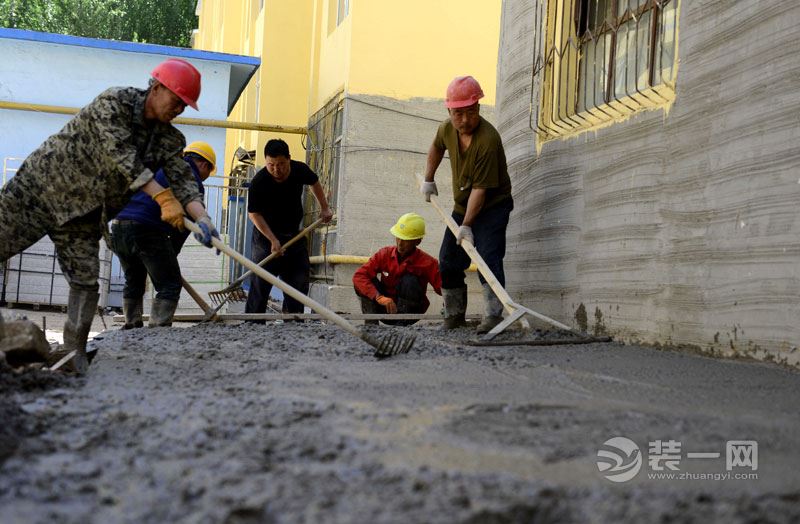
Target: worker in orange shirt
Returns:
[[396, 278]]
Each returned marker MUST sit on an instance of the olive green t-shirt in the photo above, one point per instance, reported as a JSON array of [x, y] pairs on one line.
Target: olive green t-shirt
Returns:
[[482, 165]]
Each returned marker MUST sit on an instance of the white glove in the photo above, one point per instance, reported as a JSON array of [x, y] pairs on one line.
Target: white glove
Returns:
[[428, 189], [465, 233]]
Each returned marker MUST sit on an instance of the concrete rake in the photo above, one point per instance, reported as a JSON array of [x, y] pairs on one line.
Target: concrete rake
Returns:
[[515, 311], [234, 291], [388, 345]]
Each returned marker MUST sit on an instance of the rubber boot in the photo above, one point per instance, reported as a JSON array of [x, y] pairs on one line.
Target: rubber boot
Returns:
[[161, 312], [492, 310], [455, 307], [81, 309], [132, 309]]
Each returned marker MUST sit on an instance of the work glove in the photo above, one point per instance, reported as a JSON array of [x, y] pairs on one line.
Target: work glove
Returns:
[[171, 209], [465, 233], [388, 303], [209, 231], [428, 189]]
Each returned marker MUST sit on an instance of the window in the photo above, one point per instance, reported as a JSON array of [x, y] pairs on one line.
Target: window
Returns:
[[601, 60], [343, 11], [337, 12]]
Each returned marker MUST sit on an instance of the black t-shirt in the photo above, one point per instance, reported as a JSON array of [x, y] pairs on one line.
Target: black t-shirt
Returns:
[[280, 203]]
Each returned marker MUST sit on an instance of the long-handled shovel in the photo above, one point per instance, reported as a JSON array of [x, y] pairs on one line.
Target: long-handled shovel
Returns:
[[390, 344], [515, 311], [234, 291]]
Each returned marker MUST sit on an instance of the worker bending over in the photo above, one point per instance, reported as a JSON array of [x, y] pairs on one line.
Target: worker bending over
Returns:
[[80, 177], [482, 195], [396, 278], [146, 245], [275, 207]]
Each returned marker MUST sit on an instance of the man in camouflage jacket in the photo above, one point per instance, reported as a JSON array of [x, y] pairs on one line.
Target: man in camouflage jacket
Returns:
[[80, 177]]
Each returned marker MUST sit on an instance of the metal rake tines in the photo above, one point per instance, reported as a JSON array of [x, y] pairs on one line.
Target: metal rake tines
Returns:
[[392, 344], [235, 294]]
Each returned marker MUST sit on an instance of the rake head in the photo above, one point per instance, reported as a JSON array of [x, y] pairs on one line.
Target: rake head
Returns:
[[229, 294], [390, 344]]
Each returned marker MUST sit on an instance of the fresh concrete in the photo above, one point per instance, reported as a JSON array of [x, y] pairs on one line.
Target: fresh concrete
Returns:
[[299, 423]]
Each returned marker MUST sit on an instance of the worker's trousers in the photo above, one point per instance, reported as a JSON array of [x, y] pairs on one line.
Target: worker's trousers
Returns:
[[410, 299], [24, 221], [489, 231], [292, 267], [146, 250]]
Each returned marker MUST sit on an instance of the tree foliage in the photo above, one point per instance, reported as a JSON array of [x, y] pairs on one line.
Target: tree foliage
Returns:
[[168, 22]]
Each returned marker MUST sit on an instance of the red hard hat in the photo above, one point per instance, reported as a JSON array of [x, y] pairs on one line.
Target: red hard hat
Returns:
[[180, 77], [463, 91]]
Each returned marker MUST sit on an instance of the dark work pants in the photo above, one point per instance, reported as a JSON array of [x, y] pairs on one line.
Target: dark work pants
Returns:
[[292, 267], [489, 230], [24, 219], [410, 299], [145, 250]]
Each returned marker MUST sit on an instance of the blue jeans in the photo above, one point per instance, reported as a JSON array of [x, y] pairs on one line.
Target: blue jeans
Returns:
[[489, 230], [144, 250]]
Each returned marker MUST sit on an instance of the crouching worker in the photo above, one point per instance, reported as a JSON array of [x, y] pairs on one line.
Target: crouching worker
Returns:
[[395, 279], [79, 178], [146, 245]]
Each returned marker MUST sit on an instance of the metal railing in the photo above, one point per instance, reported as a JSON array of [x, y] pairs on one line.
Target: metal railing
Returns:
[[597, 60]]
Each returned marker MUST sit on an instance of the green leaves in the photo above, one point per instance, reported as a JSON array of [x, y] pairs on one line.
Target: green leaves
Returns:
[[152, 21]]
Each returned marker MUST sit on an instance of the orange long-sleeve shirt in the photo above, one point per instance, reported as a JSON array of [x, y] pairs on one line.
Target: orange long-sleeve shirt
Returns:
[[385, 266]]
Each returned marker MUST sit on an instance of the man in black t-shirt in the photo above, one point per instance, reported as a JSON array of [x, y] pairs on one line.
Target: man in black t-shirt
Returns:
[[276, 210]]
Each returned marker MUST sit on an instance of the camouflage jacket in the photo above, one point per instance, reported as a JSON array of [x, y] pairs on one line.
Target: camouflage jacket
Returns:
[[104, 155]]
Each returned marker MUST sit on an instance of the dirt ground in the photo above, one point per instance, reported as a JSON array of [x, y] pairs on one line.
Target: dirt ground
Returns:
[[299, 423]]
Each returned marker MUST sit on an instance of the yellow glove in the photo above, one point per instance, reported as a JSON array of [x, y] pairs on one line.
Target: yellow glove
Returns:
[[171, 209], [388, 303]]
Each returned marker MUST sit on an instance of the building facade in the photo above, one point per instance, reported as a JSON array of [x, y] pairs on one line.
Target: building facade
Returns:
[[367, 78], [653, 148]]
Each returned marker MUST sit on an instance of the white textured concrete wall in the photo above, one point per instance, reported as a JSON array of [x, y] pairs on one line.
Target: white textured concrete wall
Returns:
[[677, 229], [385, 144]]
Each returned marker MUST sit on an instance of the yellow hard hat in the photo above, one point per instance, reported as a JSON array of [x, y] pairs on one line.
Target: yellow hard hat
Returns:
[[204, 150], [410, 226]]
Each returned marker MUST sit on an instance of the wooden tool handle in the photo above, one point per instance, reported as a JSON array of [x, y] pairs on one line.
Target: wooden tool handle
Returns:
[[272, 279]]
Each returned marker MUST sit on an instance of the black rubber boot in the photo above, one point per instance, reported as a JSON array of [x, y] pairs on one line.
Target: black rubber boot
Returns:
[[492, 310], [132, 309], [455, 307], [161, 312], [81, 309]]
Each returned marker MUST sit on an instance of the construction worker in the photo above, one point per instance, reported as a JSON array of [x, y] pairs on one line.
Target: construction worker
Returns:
[[482, 195], [146, 245], [395, 279], [276, 210], [80, 177]]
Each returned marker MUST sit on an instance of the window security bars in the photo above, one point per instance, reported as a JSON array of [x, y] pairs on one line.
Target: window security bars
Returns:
[[600, 60]]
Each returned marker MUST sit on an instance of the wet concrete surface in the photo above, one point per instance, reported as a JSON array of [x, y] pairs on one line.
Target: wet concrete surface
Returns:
[[299, 423]]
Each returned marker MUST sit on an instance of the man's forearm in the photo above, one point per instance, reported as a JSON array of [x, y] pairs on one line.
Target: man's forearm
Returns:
[[319, 194], [196, 209], [261, 224], [477, 198], [435, 156], [152, 187]]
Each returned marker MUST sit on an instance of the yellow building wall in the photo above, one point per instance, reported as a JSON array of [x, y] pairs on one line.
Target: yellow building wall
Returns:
[[385, 48], [279, 34], [405, 49]]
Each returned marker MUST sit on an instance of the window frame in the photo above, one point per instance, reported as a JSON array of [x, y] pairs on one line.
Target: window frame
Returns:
[[562, 75]]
